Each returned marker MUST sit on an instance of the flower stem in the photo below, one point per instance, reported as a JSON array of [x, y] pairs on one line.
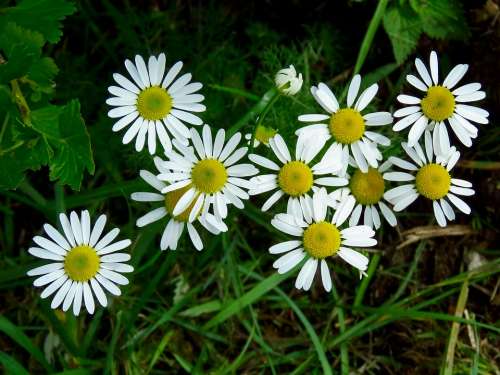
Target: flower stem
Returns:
[[344, 352], [368, 39], [259, 109]]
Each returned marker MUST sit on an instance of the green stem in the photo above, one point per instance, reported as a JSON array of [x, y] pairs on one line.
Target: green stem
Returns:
[[59, 198], [235, 91], [31, 192], [259, 109], [344, 351], [360, 293], [368, 39], [370, 34]]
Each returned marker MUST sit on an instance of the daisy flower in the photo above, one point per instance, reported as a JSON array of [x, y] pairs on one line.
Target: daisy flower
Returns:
[[293, 178], [288, 82], [429, 178], [347, 125], [212, 174], [83, 262], [155, 103], [443, 105], [176, 223], [368, 189], [261, 136], [317, 240]]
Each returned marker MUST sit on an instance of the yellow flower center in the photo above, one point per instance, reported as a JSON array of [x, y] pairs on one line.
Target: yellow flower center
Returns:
[[295, 178], [154, 103], [171, 199], [347, 126], [81, 263], [367, 188], [209, 176], [321, 240], [263, 133], [438, 104], [433, 181]]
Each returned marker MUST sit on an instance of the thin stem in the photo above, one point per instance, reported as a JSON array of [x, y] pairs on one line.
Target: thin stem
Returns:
[[370, 34], [257, 110], [31, 192], [344, 350], [368, 39], [360, 293]]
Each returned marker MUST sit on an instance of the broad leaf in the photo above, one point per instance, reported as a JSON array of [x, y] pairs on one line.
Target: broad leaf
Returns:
[[44, 16]]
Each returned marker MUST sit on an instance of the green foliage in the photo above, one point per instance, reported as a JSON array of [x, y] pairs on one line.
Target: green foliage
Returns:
[[35, 133], [406, 20], [43, 16]]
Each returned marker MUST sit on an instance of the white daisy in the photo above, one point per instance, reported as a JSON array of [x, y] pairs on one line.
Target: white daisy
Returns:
[[429, 178], [318, 239], [155, 103], [213, 177], [261, 136], [83, 264], [442, 105], [288, 82], [175, 226], [368, 189], [293, 178], [347, 126]]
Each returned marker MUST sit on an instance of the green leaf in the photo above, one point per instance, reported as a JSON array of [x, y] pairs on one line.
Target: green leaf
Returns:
[[64, 129], [403, 27], [20, 48], [443, 19], [20, 338], [11, 366], [41, 77], [20, 147], [44, 16]]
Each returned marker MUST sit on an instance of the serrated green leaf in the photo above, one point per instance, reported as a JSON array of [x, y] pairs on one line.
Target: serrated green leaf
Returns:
[[20, 147], [41, 77], [74, 154], [403, 28], [20, 49], [443, 19], [44, 16]]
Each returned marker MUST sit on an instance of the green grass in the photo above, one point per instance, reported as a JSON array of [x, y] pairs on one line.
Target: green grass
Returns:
[[224, 310]]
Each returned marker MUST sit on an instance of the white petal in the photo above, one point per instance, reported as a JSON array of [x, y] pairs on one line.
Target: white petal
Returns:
[[99, 293], [408, 99], [114, 247], [401, 204], [88, 299], [416, 131], [354, 258], [264, 162], [388, 214], [366, 97], [195, 237], [284, 247], [438, 213], [415, 82], [407, 121], [272, 200], [313, 117], [398, 176], [56, 236], [152, 216], [352, 93], [455, 75], [422, 70], [434, 67], [325, 276], [107, 239]]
